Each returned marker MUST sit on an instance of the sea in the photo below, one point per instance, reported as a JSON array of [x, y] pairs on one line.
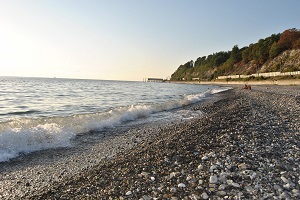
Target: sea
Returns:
[[48, 113]]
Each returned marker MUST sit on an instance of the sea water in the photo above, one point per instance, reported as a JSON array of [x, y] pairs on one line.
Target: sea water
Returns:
[[42, 113]]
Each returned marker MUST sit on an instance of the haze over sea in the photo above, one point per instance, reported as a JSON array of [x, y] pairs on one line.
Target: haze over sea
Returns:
[[42, 113]]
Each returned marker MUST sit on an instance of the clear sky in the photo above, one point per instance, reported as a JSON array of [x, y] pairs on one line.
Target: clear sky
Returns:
[[129, 39]]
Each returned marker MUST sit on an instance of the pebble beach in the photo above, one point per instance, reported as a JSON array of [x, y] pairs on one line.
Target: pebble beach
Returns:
[[246, 145]]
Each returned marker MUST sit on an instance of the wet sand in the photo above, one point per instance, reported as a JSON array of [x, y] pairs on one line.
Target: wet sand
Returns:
[[247, 145]]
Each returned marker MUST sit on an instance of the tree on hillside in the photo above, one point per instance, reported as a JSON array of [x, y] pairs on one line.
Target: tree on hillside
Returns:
[[220, 58], [248, 53], [274, 50], [200, 61], [228, 66], [235, 55], [262, 52], [296, 44], [183, 71], [288, 39]]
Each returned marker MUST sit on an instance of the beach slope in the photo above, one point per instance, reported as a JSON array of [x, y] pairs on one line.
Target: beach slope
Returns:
[[246, 146]]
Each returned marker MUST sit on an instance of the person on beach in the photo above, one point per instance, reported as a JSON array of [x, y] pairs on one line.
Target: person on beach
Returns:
[[247, 87]]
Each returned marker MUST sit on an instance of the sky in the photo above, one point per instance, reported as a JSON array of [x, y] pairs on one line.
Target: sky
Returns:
[[129, 39]]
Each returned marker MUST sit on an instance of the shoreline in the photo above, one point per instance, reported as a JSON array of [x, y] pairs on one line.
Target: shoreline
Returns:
[[247, 148], [283, 82]]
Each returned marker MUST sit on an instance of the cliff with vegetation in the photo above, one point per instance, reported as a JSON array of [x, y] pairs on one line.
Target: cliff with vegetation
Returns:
[[276, 53]]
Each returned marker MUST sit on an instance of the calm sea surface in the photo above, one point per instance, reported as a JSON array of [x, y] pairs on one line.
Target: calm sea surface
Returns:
[[40, 113]]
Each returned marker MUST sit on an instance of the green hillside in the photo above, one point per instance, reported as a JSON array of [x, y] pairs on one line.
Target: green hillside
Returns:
[[267, 55]]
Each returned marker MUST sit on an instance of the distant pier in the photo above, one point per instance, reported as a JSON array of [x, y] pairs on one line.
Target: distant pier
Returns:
[[153, 80]]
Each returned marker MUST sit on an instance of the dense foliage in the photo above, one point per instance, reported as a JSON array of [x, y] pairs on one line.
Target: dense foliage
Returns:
[[246, 60]]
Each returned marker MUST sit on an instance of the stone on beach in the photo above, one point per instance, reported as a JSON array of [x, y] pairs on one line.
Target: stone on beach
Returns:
[[213, 179], [181, 185], [285, 180], [235, 185], [204, 157], [200, 167]]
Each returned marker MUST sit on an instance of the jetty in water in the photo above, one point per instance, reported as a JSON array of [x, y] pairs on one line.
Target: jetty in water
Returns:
[[153, 80]]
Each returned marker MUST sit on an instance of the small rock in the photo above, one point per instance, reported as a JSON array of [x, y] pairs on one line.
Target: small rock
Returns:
[[194, 197], [212, 187], [222, 187], [204, 195], [172, 174], [193, 184], [242, 166], [229, 182], [146, 197], [211, 154], [145, 174], [284, 195], [287, 186], [277, 187], [128, 193], [285, 180], [200, 182], [253, 175], [200, 167], [257, 186], [152, 178], [249, 189], [235, 185], [189, 177], [173, 190], [181, 185], [213, 179], [228, 166], [222, 178], [218, 163], [212, 168], [204, 158], [221, 193], [295, 192]]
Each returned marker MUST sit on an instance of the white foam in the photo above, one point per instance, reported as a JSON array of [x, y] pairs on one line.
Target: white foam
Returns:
[[195, 98], [187, 114], [17, 140], [221, 89]]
